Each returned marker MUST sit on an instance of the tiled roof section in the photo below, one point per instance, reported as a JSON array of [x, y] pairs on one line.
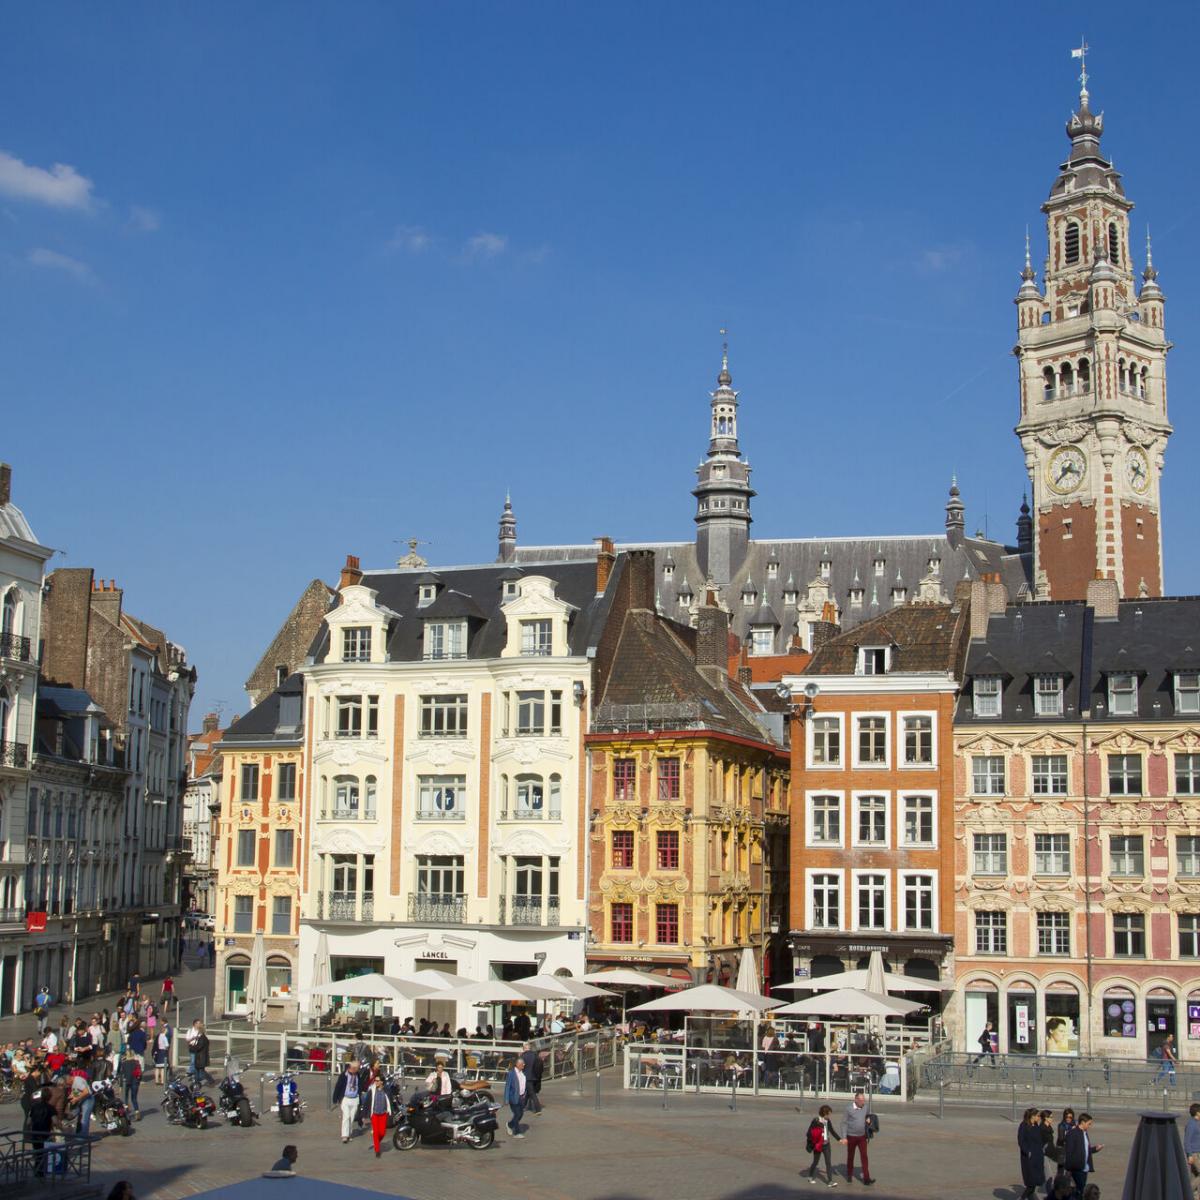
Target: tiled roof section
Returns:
[[452, 603], [482, 587], [1150, 638], [924, 637], [280, 717]]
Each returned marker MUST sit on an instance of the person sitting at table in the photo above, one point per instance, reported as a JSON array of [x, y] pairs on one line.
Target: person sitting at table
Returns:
[[318, 1058]]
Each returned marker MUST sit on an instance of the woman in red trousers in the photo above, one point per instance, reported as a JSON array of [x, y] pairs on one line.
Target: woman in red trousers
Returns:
[[379, 1108]]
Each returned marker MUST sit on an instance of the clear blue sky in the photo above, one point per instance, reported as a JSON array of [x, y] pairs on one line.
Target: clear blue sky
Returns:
[[314, 278]]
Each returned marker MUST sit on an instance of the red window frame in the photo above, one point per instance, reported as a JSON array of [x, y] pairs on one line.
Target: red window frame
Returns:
[[622, 849], [624, 779], [667, 841], [621, 922], [666, 924], [668, 779]]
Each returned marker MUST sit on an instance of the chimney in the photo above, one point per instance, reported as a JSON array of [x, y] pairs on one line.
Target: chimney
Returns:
[[640, 565], [106, 600], [212, 722], [712, 639], [988, 598], [745, 676], [351, 574], [1103, 597], [5, 483], [605, 557]]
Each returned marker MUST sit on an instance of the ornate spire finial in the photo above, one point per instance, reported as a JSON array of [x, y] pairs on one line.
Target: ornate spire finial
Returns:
[[1027, 273], [1080, 52], [1149, 273], [724, 379]]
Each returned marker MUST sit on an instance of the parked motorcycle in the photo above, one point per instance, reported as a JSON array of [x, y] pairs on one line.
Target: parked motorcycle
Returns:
[[472, 1091], [233, 1105], [288, 1104], [185, 1105], [109, 1110], [425, 1119]]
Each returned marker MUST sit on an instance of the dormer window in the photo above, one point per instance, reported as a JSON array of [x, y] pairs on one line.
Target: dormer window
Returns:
[[826, 568], [872, 660], [281, 674], [899, 595], [1122, 695], [880, 567], [791, 597], [856, 595], [772, 570], [934, 566], [985, 695], [510, 589], [1048, 695], [445, 639], [749, 597], [668, 571], [685, 598], [1187, 691], [356, 643], [537, 637], [762, 639], [427, 594]]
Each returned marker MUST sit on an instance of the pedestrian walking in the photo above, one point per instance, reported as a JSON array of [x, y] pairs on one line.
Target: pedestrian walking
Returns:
[[41, 1009], [516, 1087], [821, 1136], [41, 1124], [162, 1053], [533, 1074], [380, 1109], [856, 1138], [1166, 1060], [130, 1075], [1079, 1151], [200, 1052], [986, 1049], [1050, 1147], [167, 995], [1191, 1146], [1067, 1123], [346, 1092], [1031, 1148]]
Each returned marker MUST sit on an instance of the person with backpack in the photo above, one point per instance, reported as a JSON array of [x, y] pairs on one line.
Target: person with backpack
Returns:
[[821, 1136], [1166, 1060], [41, 1008]]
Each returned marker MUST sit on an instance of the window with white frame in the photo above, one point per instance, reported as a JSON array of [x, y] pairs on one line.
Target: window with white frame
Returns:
[[1187, 774], [872, 660], [991, 854], [825, 820], [1189, 935], [1187, 691], [987, 774], [1126, 855], [444, 716], [1122, 695], [243, 914], [870, 900], [871, 739], [826, 568], [345, 798], [1054, 933], [1052, 854], [1129, 935], [445, 639], [247, 848], [426, 594], [762, 639], [871, 820], [918, 740], [537, 637], [825, 900], [281, 915], [356, 643], [1048, 695], [991, 932], [1049, 774], [1124, 774], [985, 695], [826, 741], [917, 820], [357, 716], [441, 797], [918, 898], [1187, 855]]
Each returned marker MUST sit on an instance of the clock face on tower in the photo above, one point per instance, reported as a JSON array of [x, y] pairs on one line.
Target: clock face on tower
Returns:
[[1137, 470], [1066, 470]]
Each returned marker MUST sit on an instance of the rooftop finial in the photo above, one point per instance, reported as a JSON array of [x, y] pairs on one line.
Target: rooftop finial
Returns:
[[1028, 273], [1150, 272], [724, 379], [1080, 52]]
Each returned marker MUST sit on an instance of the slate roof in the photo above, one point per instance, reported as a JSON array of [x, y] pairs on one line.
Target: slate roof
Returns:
[[925, 637], [1151, 638], [478, 592], [261, 723]]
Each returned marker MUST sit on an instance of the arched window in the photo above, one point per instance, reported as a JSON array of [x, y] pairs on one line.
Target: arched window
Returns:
[[530, 796], [370, 798], [345, 797], [1085, 375], [5, 709], [1068, 379], [1122, 375], [555, 797], [1114, 244], [1071, 242], [1145, 379], [8, 619], [1048, 383]]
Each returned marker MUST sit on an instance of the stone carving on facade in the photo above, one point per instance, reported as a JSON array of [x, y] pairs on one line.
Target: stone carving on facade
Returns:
[[1060, 435], [1138, 435], [439, 842], [347, 841]]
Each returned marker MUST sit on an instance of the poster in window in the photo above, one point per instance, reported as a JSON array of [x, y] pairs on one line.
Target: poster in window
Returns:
[[1061, 1036], [1022, 1011], [1193, 1011]]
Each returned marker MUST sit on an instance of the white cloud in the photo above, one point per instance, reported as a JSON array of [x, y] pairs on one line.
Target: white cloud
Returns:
[[60, 187], [144, 220], [940, 258], [53, 261], [485, 245], [411, 239]]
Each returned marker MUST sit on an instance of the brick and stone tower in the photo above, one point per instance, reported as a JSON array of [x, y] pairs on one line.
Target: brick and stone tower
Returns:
[[723, 492], [1092, 355]]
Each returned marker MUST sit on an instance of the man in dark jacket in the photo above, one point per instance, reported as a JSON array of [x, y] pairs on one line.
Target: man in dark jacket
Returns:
[[41, 1123], [533, 1076], [1078, 1151]]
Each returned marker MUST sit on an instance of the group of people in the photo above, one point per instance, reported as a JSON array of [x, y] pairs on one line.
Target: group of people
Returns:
[[860, 1125], [1068, 1146]]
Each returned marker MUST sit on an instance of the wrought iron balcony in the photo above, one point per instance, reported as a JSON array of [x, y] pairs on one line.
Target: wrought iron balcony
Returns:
[[527, 910], [13, 645], [441, 814], [14, 754], [437, 907], [531, 814]]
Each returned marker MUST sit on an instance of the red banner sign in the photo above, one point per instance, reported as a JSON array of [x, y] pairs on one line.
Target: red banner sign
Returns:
[[35, 922]]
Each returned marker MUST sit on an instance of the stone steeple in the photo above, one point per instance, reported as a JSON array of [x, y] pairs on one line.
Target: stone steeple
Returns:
[[508, 532], [723, 492]]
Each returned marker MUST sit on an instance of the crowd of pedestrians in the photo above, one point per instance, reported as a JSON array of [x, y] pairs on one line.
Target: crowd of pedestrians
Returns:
[[860, 1125], [1068, 1146]]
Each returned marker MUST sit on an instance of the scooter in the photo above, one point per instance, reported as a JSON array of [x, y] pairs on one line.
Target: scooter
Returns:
[[288, 1104], [187, 1106], [425, 1119], [233, 1104], [109, 1110]]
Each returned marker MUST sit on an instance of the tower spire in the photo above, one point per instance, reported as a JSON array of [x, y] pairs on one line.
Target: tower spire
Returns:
[[508, 531], [1080, 52]]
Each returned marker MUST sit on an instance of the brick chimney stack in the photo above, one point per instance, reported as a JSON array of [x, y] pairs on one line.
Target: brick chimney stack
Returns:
[[712, 640], [212, 722], [5, 483], [1103, 597], [989, 598], [640, 565], [351, 573], [606, 556]]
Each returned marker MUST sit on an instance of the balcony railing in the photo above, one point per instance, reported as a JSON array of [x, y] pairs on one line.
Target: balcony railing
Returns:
[[13, 645], [348, 814], [441, 814], [12, 916], [14, 754], [621, 718], [527, 910], [344, 906], [531, 814], [447, 909]]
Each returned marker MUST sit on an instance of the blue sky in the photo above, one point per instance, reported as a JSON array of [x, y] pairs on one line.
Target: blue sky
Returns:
[[315, 278]]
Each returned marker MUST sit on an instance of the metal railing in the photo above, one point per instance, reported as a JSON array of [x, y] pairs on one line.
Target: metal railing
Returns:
[[14, 645], [640, 717], [449, 909], [22, 1162], [343, 906], [14, 754], [347, 814], [441, 814], [531, 814], [527, 910]]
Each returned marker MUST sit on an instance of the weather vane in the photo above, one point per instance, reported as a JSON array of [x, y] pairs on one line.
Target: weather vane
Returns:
[[1080, 52]]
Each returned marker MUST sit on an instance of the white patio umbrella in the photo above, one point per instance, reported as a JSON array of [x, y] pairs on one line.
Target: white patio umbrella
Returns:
[[437, 979], [871, 978], [626, 978], [256, 982], [845, 1002], [708, 997], [566, 987], [494, 991], [370, 987]]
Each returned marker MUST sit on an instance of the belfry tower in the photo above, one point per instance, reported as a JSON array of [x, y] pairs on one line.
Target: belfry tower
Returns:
[[723, 492], [1092, 354]]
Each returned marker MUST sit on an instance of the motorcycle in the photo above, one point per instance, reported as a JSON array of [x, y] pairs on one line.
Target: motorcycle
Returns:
[[472, 1091], [426, 1119], [233, 1105], [288, 1104], [109, 1110], [185, 1105]]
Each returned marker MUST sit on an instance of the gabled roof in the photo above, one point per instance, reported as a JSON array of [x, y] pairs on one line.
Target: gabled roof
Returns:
[[925, 637]]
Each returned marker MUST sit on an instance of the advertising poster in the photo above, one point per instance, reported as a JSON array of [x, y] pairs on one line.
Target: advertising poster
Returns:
[[1061, 1036], [1022, 1011]]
